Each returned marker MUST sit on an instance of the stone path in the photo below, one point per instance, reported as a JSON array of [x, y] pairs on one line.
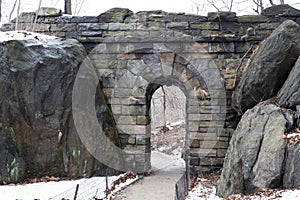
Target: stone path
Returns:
[[160, 184]]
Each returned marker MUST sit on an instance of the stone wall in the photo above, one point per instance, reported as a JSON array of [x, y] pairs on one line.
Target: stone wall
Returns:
[[222, 40]]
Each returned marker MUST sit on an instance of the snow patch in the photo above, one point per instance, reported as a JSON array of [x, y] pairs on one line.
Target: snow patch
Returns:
[[292, 135], [202, 192], [91, 188], [24, 35]]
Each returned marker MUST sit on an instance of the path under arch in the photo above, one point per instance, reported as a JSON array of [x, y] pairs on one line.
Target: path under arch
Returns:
[[160, 183]]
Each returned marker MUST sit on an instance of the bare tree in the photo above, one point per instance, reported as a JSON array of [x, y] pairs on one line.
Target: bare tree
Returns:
[[259, 6], [35, 18], [68, 7], [228, 5], [12, 10], [197, 7], [223, 4], [77, 5], [18, 13]]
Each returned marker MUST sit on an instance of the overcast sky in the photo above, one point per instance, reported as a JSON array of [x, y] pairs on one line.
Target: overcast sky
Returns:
[[96, 7]]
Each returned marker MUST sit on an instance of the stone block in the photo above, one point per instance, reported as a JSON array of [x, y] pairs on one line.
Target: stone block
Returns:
[[116, 109], [187, 18], [270, 25], [123, 92], [136, 66], [121, 26], [242, 47], [138, 34], [194, 161], [142, 140], [150, 25], [132, 129], [47, 11], [178, 25], [193, 126], [194, 144], [221, 48], [212, 136], [195, 152], [205, 26], [126, 119], [81, 19], [211, 161], [63, 27], [222, 16], [202, 117], [131, 140], [91, 33], [44, 28], [135, 149], [115, 15], [91, 26], [221, 153], [252, 19], [185, 76], [134, 110], [142, 120]]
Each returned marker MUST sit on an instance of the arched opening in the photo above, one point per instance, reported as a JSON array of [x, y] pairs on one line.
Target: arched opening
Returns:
[[168, 120], [168, 136]]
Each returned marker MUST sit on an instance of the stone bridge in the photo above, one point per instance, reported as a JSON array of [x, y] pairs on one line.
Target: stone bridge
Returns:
[[135, 53]]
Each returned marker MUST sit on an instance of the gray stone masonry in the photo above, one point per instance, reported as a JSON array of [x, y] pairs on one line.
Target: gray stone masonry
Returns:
[[134, 53]]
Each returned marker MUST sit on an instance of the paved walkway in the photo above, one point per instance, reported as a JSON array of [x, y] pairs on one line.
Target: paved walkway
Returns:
[[160, 184]]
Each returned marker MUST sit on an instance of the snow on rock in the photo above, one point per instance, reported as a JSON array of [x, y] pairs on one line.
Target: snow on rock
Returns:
[[292, 135], [24, 35]]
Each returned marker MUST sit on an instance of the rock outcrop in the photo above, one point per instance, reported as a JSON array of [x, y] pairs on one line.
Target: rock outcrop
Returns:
[[37, 133], [264, 149], [281, 10], [256, 156], [269, 68], [291, 178], [289, 94], [115, 15]]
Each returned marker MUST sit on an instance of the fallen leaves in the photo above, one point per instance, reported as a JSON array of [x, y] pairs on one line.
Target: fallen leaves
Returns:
[[122, 179], [293, 136]]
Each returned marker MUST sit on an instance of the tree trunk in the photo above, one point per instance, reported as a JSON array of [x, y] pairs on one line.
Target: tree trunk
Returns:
[[68, 7], [164, 105], [0, 9]]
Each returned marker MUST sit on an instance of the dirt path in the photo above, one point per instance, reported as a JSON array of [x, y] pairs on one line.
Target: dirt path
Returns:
[[160, 184]]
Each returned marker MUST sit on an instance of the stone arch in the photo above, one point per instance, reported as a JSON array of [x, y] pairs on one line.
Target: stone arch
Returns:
[[131, 68]]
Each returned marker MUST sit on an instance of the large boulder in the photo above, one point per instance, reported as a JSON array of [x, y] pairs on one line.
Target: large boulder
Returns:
[[269, 68], [291, 178], [289, 94], [280, 11], [256, 154], [37, 133], [115, 15]]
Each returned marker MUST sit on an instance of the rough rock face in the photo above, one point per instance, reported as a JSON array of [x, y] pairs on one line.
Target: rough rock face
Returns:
[[289, 94], [48, 11], [115, 15], [37, 134], [281, 10], [291, 178], [255, 158], [269, 68]]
